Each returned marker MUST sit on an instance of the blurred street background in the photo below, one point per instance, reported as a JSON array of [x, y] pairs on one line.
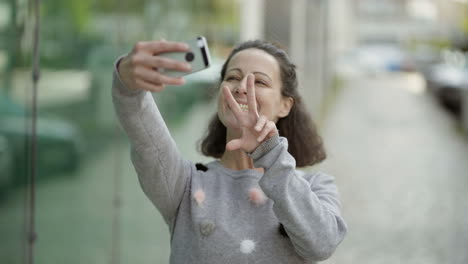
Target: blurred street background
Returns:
[[385, 80]]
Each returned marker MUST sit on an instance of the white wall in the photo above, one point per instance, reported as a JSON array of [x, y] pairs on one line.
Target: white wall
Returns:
[[252, 19]]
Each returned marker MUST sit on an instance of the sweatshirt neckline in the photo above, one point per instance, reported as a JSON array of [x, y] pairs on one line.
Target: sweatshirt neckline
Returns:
[[216, 165]]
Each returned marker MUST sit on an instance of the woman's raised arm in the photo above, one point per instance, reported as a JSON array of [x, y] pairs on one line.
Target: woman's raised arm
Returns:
[[162, 171]]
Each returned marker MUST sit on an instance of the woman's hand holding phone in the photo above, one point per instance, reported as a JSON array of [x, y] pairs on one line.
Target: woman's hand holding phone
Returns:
[[139, 69]]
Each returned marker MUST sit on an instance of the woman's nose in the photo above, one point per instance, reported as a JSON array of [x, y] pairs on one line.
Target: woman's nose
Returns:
[[241, 87]]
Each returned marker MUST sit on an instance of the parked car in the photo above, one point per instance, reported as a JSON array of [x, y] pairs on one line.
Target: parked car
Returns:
[[448, 80], [375, 59], [59, 143], [6, 163]]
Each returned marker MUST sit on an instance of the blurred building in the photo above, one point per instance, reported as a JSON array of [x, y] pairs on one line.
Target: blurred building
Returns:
[[317, 32], [453, 15], [314, 32], [403, 20]]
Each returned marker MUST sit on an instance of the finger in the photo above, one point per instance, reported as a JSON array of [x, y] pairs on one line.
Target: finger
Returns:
[[157, 47], [262, 120], [160, 62], [167, 63], [233, 105], [273, 132], [269, 127], [251, 99], [234, 144], [150, 86], [155, 77]]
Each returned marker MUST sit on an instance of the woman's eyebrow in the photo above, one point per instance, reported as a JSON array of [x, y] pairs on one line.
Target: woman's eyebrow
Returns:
[[235, 69], [257, 72]]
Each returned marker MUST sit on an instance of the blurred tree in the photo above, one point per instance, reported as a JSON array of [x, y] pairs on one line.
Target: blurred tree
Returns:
[[112, 5], [10, 40], [465, 20], [218, 19], [66, 40], [76, 13]]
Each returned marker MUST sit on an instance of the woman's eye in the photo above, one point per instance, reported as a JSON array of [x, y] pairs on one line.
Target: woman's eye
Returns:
[[232, 78], [260, 82]]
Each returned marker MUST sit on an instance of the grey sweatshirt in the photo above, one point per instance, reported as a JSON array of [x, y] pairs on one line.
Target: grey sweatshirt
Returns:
[[230, 216]]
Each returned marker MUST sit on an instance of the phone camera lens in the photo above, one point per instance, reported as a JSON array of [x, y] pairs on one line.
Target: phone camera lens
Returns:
[[189, 56]]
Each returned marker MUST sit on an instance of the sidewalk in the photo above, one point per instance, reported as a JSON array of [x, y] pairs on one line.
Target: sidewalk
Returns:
[[401, 166]]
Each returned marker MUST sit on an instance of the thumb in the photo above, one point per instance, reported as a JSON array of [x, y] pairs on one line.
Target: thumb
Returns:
[[234, 144]]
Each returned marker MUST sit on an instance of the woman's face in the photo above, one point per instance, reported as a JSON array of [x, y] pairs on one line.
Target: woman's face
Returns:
[[266, 70]]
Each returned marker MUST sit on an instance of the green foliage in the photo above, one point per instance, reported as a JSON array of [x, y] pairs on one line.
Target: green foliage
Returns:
[[75, 13], [109, 6], [219, 12], [64, 33], [465, 25]]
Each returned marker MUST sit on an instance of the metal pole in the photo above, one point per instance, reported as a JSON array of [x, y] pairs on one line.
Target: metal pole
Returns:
[[32, 236]]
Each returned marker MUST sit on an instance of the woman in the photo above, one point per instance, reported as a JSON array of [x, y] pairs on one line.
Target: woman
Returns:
[[250, 205]]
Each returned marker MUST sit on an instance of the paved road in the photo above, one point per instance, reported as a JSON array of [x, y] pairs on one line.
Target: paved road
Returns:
[[400, 162]]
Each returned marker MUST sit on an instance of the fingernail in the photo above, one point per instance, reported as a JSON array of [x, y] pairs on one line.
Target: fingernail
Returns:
[[259, 139], [257, 128]]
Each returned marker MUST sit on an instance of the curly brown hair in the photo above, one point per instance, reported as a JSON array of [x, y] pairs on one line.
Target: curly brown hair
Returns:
[[305, 144]]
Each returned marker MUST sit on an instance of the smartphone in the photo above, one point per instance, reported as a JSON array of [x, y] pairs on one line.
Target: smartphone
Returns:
[[198, 56]]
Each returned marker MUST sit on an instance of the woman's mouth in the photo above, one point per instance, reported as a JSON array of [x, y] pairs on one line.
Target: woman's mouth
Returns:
[[244, 107]]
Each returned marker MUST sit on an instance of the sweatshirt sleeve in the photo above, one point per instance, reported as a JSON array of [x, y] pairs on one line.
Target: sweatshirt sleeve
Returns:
[[308, 209], [162, 172]]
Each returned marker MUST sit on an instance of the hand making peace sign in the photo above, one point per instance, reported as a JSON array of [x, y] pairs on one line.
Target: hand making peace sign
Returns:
[[254, 128]]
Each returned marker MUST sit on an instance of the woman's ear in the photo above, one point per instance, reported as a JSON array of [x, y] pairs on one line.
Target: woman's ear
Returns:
[[286, 105]]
